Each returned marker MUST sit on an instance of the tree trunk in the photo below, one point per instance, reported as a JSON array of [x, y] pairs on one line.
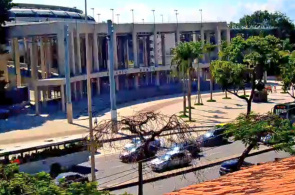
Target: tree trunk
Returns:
[[211, 88], [243, 156], [184, 95], [244, 92], [249, 102], [225, 94], [189, 91]]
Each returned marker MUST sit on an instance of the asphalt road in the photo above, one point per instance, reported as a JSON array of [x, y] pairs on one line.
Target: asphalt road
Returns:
[[112, 171]]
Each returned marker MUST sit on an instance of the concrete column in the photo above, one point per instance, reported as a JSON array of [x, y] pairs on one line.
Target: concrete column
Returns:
[[228, 36], [98, 85], [75, 91], [195, 39], [63, 101], [42, 57], [95, 52], [80, 83], [145, 60], [34, 59], [136, 81], [163, 49], [16, 61], [218, 38], [61, 52], [78, 54], [72, 53], [26, 51], [177, 37], [202, 36], [208, 37], [134, 42], [127, 53], [155, 47], [147, 78], [127, 82], [48, 54], [117, 83], [37, 99], [158, 78], [115, 50]]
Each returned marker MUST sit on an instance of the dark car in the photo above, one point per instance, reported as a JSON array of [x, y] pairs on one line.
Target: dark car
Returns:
[[191, 146], [70, 177], [231, 166], [136, 153], [213, 138]]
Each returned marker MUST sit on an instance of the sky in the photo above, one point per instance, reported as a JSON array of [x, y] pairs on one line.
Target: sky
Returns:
[[189, 10]]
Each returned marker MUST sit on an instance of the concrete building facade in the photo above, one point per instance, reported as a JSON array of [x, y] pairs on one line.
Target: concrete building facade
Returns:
[[139, 60]]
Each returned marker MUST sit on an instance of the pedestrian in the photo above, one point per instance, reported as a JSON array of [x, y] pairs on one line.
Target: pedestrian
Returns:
[[274, 89], [95, 121]]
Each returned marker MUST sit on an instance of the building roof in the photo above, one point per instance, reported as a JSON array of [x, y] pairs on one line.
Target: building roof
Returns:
[[274, 178], [46, 7]]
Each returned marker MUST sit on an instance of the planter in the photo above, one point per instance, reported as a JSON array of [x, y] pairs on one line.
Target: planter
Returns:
[[3, 66], [260, 96]]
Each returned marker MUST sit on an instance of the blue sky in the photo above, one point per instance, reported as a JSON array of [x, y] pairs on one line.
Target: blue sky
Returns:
[[213, 10]]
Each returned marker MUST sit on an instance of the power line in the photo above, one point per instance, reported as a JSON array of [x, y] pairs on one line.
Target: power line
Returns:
[[119, 177], [115, 174]]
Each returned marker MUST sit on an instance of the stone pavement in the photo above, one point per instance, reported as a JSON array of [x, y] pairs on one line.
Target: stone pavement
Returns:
[[208, 114]]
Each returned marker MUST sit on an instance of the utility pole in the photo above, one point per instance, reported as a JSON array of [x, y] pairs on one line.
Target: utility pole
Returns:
[[132, 10], [86, 11], [98, 18], [118, 17], [112, 10], [111, 76], [68, 77], [140, 179]]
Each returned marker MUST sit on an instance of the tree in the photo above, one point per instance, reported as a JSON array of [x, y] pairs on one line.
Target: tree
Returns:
[[208, 48], [251, 128], [184, 55], [147, 126], [244, 62], [5, 6], [288, 72], [13, 182], [265, 19]]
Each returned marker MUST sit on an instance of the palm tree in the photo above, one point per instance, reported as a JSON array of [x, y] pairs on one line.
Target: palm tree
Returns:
[[208, 48], [181, 58]]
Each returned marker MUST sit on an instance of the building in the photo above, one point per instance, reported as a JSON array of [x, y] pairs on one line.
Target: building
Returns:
[[266, 179], [22, 13], [38, 49]]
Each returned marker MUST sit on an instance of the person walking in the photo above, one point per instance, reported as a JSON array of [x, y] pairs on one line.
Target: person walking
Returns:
[[95, 121]]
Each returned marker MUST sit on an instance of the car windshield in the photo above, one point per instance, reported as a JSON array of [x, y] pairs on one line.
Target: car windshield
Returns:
[[208, 134], [130, 149], [165, 157]]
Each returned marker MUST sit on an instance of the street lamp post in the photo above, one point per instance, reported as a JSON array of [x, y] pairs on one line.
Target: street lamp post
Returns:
[[86, 11], [112, 10], [92, 12], [98, 18], [154, 16], [162, 18], [201, 11], [118, 16], [143, 21], [132, 10]]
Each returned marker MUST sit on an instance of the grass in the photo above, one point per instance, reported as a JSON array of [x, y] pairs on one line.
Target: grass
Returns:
[[226, 98], [199, 104], [211, 100], [191, 107], [283, 92], [244, 96], [183, 116], [190, 121]]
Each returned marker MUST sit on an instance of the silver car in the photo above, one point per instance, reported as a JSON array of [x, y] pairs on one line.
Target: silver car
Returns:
[[171, 159]]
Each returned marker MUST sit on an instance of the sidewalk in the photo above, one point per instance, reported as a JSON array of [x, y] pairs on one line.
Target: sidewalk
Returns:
[[209, 114]]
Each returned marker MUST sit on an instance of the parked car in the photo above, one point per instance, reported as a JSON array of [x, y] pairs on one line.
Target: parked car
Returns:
[[137, 142], [171, 159], [213, 138], [231, 166], [266, 139], [191, 146], [70, 177], [136, 153]]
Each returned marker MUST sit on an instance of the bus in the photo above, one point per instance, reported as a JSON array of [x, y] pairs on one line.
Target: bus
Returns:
[[286, 111], [40, 158]]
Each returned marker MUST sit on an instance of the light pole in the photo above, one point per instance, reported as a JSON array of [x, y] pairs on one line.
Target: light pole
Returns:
[[98, 18], [112, 10], [154, 16], [177, 35], [86, 11], [162, 18], [143, 21], [93, 12], [132, 10], [118, 16], [201, 11]]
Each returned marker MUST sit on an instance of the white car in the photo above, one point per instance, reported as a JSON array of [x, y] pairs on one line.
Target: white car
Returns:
[[172, 159]]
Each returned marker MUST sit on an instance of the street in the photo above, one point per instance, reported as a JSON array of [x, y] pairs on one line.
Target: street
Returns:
[[111, 171]]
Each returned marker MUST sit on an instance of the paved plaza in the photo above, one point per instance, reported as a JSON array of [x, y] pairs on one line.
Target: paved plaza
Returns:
[[57, 128]]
